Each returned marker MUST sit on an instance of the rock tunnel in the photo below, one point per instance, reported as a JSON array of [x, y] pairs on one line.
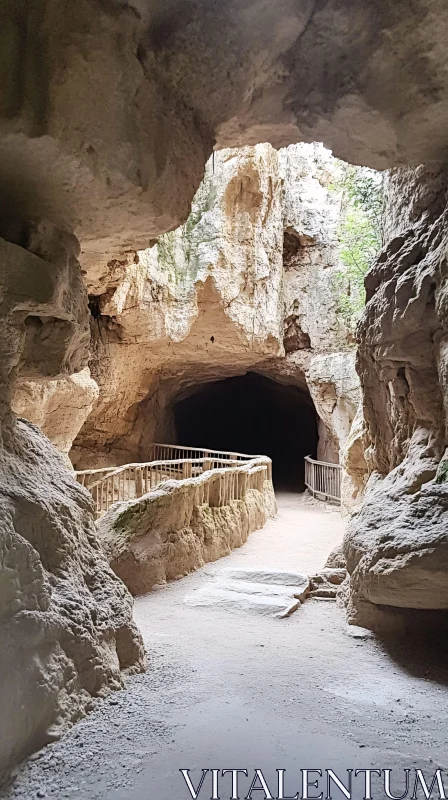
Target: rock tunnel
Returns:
[[108, 116], [252, 414]]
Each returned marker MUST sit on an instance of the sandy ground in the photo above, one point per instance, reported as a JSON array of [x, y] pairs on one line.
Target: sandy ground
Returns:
[[229, 690]]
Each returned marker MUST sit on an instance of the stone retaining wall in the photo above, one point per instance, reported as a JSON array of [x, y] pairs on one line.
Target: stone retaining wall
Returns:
[[171, 531]]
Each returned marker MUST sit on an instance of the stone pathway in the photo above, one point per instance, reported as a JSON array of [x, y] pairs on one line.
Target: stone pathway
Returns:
[[273, 593], [230, 690]]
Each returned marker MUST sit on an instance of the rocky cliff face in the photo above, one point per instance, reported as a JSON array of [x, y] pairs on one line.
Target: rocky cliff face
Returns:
[[397, 544], [66, 620], [246, 284]]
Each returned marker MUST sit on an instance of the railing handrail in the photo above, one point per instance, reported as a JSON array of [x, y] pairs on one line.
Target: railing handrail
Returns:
[[130, 481], [154, 464], [323, 479], [205, 450], [170, 461], [322, 463]]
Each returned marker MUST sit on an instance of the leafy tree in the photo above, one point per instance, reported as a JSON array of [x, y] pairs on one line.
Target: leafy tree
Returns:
[[360, 235]]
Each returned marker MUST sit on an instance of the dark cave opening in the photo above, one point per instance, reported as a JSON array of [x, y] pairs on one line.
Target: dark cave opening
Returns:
[[252, 414]]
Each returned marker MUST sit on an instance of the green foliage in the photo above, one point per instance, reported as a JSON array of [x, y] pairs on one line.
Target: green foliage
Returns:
[[360, 235]]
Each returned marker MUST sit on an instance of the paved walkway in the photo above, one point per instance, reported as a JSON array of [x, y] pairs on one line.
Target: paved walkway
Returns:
[[228, 690], [299, 538]]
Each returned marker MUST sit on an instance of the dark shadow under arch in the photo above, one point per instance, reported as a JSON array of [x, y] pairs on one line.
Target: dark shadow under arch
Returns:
[[252, 414]]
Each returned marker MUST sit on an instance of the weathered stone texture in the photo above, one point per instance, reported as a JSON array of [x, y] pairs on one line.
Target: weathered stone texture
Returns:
[[59, 407], [65, 618], [108, 113], [108, 118], [334, 388], [311, 216], [396, 545], [43, 313], [353, 461]]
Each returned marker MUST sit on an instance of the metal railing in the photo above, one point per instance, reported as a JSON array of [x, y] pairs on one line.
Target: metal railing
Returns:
[[235, 473], [323, 479]]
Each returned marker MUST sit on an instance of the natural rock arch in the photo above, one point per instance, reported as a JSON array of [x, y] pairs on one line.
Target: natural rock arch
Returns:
[[109, 112], [107, 134]]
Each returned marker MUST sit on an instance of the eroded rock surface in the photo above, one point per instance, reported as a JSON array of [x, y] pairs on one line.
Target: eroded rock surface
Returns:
[[43, 313], [354, 467], [334, 388], [108, 113], [108, 122], [59, 407], [396, 545], [65, 618]]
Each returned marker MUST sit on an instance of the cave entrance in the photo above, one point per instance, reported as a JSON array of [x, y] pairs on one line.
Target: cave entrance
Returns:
[[252, 414]]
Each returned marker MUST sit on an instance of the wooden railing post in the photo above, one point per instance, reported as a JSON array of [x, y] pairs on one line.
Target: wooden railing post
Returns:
[[139, 491]]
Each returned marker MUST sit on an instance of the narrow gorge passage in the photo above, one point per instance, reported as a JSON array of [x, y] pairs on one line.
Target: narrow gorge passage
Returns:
[[256, 415], [234, 690]]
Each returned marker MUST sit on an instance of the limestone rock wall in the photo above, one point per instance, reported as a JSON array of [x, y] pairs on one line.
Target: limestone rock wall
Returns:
[[311, 215], [334, 388], [43, 313], [246, 284], [107, 122], [65, 619], [59, 407], [396, 545], [354, 466], [202, 302]]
